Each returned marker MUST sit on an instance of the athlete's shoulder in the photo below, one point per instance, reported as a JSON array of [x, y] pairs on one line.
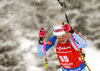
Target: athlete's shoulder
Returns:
[[52, 40]]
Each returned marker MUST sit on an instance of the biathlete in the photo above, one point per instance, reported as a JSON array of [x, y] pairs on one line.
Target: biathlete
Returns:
[[69, 57]]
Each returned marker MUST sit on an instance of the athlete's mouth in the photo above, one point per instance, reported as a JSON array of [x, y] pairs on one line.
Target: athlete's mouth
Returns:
[[62, 40]]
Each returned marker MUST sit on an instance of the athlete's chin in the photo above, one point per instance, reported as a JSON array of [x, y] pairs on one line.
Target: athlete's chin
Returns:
[[63, 42]]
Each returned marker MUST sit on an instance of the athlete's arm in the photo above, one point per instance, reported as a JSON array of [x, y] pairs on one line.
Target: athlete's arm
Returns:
[[48, 45]]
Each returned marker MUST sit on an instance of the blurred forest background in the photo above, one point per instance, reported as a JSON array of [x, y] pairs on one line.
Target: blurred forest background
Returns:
[[20, 21]]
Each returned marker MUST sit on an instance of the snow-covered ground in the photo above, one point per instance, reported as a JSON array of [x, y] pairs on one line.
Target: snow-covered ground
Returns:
[[92, 56]]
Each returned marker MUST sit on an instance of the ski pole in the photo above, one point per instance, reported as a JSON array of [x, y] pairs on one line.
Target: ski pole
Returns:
[[79, 52], [64, 6], [45, 54]]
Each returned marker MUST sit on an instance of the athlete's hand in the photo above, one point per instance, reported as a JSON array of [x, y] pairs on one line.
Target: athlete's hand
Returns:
[[42, 33], [83, 54], [71, 31], [66, 27]]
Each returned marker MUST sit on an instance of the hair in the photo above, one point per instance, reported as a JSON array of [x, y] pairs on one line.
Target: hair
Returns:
[[59, 23]]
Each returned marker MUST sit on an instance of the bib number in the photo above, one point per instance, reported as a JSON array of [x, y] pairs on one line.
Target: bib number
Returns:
[[64, 58]]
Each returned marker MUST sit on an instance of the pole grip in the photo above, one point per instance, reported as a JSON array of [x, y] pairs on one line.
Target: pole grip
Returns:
[[63, 4]]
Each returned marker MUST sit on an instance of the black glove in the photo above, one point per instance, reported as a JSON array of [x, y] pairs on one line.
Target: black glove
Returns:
[[71, 31], [83, 54]]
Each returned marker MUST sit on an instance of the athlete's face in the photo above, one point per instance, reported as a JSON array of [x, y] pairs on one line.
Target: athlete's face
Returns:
[[63, 38]]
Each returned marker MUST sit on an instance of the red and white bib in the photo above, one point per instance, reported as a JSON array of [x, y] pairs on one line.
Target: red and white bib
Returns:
[[68, 56]]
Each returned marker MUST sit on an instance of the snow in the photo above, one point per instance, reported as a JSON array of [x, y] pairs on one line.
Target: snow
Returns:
[[93, 57], [19, 15]]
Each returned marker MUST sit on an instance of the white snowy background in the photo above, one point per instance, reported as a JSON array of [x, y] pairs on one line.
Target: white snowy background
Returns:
[[20, 21]]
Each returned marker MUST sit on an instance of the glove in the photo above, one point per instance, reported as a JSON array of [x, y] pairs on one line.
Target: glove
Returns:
[[42, 33], [71, 31], [83, 54], [66, 28]]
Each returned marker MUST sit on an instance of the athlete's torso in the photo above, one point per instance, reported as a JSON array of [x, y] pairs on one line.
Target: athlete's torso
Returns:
[[68, 56]]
